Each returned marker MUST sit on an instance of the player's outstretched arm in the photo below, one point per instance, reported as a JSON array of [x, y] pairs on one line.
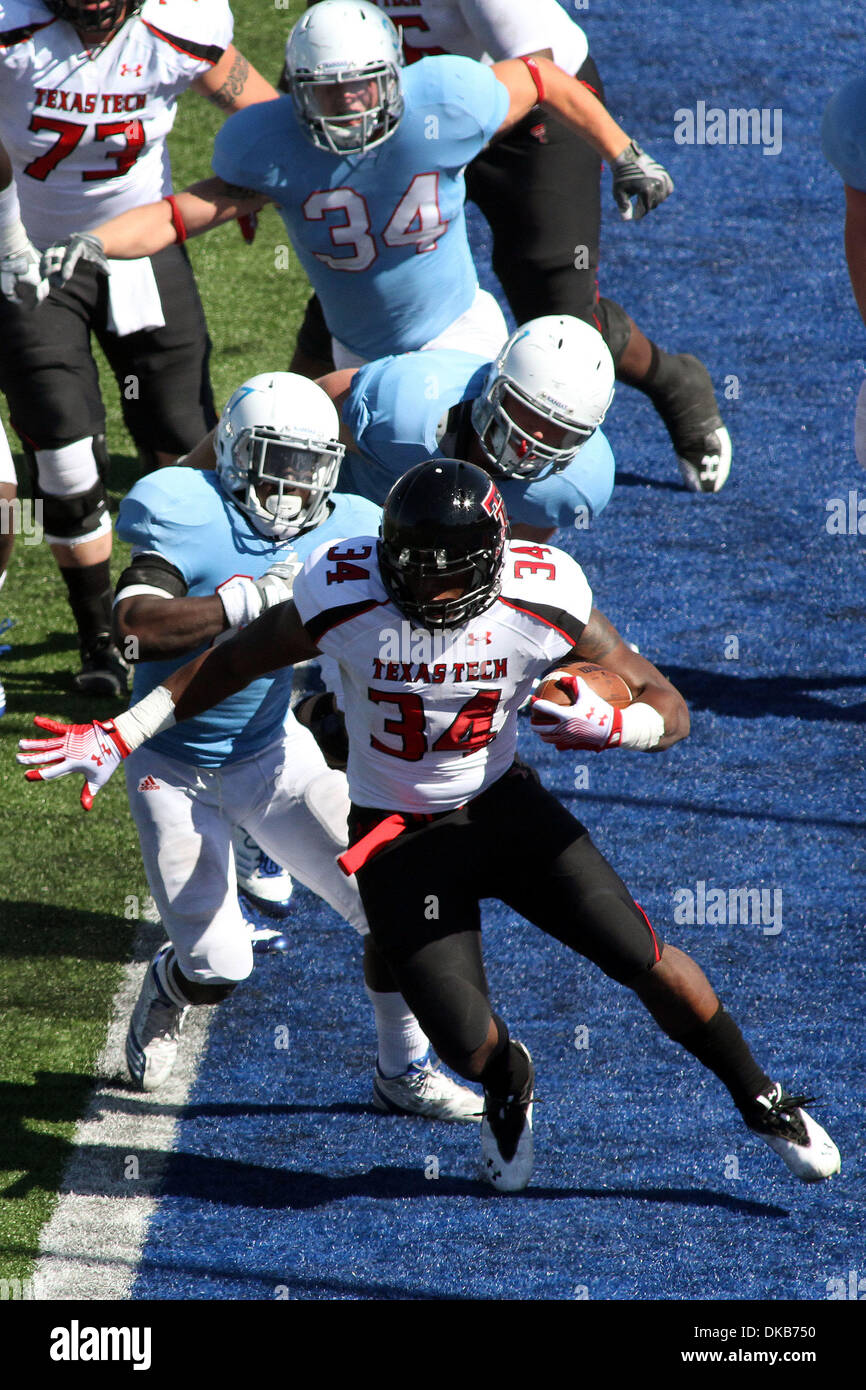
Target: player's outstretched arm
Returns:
[[144, 230], [275, 640], [656, 718], [148, 627], [234, 83], [635, 174]]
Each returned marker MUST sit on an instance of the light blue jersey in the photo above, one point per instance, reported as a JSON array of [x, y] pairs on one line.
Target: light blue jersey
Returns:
[[183, 515], [381, 235], [395, 410], [843, 133]]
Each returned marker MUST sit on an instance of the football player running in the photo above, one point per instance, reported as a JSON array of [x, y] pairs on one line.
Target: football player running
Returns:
[[439, 628], [212, 550], [546, 245], [530, 418], [365, 163], [843, 136], [88, 94]]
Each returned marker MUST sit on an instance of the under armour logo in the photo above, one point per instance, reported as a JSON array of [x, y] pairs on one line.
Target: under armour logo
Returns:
[[126, 70], [474, 637]]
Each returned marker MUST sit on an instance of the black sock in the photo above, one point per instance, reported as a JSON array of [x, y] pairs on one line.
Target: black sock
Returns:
[[90, 595], [721, 1047], [507, 1071]]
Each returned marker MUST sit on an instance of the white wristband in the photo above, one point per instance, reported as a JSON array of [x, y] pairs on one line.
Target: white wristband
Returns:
[[642, 727], [13, 237], [149, 716], [241, 600]]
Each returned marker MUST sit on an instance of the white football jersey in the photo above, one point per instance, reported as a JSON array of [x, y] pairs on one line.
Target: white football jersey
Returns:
[[488, 30], [432, 716], [86, 133]]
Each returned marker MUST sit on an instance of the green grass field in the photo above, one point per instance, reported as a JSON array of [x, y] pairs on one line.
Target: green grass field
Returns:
[[69, 880]]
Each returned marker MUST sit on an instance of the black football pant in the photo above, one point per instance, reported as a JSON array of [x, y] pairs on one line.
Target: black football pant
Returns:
[[515, 842]]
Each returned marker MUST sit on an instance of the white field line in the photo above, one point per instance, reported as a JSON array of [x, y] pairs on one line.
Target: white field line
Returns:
[[91, 1246]]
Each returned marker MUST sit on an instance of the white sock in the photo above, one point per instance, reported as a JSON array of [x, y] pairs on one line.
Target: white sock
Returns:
[[399, 1034]]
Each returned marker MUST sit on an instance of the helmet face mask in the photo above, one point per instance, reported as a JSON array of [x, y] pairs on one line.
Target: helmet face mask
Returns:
[[554, 378], [442, 546], [335, 51], [89, 19], [278, 455]]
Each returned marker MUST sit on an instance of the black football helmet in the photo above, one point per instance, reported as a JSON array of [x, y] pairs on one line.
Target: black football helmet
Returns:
[[443, 527], [84, 15]]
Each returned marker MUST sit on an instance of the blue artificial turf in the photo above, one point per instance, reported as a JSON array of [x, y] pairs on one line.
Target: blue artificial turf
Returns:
[[285, 1182]]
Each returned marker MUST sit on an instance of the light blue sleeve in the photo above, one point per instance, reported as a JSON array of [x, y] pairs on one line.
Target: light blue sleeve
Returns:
[[843, 133], [467, 101], [246, 148], [171, 512], [575, 496], [395, 405]]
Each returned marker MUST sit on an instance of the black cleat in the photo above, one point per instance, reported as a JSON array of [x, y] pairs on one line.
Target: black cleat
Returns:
[[691, 415], [103, 669]]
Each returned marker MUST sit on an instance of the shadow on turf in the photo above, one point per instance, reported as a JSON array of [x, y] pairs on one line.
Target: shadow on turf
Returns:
[[754, 697], [49, 929], [54, 1098]]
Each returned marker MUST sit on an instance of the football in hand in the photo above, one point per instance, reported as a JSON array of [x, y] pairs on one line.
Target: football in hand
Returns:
[[607, 684]]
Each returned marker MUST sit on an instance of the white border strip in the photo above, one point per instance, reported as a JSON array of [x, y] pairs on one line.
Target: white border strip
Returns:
[[91, 1246]]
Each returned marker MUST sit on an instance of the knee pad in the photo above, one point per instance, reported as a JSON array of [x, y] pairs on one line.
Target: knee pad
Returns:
[[615, 326], [74, 520], [72, 492]]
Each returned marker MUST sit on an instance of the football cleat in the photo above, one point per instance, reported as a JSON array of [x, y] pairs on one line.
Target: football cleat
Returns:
[[267, 941], [103, 669], [706, 465], [425, 1090], [689, 409], [506, 1136], [792, 1133], [154, 1029], [267, 884]]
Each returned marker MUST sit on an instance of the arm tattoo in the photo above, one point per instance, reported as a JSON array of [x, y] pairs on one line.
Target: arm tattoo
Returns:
[[597, 639], [226, 96]]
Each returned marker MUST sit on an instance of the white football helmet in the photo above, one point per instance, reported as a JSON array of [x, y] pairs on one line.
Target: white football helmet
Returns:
[[345, 41], [279, 432], [554, 376]]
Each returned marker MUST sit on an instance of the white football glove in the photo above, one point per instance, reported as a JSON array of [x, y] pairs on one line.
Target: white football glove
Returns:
[[59, 261], [95, 749], [637, 175], [21, 278], [245, 599], [590, 722]]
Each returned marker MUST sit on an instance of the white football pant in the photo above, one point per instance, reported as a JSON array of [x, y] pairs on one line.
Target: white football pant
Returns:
[[286, 797]]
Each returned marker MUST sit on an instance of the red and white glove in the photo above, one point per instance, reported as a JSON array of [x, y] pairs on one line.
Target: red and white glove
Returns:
[[95, 749], [590, 722]]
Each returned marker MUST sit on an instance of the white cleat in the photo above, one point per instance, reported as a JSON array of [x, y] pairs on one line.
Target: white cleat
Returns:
[[791, 1132], [267, 884], [708, 471], [506, 1136], [154, 1029], [425, 1090]]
